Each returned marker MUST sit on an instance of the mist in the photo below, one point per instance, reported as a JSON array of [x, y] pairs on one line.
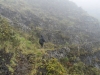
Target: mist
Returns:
[[91, 6]]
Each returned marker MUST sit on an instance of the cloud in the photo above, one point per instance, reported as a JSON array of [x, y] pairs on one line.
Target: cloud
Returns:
[[91, 6], [87, 3]]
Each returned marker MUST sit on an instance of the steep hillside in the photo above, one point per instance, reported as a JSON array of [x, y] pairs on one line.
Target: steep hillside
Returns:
[[51, 16], [72, 37]]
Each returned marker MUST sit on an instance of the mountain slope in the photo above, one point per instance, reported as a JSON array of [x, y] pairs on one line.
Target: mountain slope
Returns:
[[49, 17], [72, 38]]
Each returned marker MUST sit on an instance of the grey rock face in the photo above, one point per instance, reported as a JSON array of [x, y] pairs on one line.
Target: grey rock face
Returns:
[[91, 59], [60, 53]]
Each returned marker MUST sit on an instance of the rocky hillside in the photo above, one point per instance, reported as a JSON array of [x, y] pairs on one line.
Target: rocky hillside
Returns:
[[50, 17], [72, 38]]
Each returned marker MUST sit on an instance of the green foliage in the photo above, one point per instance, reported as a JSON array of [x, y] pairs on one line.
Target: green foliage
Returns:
[[53, 67], [81, 69], [6, 31], [78, 68]]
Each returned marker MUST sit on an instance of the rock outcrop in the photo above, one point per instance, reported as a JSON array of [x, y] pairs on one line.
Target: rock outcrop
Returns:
[[60, 53]]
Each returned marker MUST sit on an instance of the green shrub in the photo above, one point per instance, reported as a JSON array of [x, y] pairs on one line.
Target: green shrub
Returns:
[[53, 67], [7, 33]]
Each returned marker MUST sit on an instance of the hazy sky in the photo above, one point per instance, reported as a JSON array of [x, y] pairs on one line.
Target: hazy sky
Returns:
[[91, 6], [85, 4]]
